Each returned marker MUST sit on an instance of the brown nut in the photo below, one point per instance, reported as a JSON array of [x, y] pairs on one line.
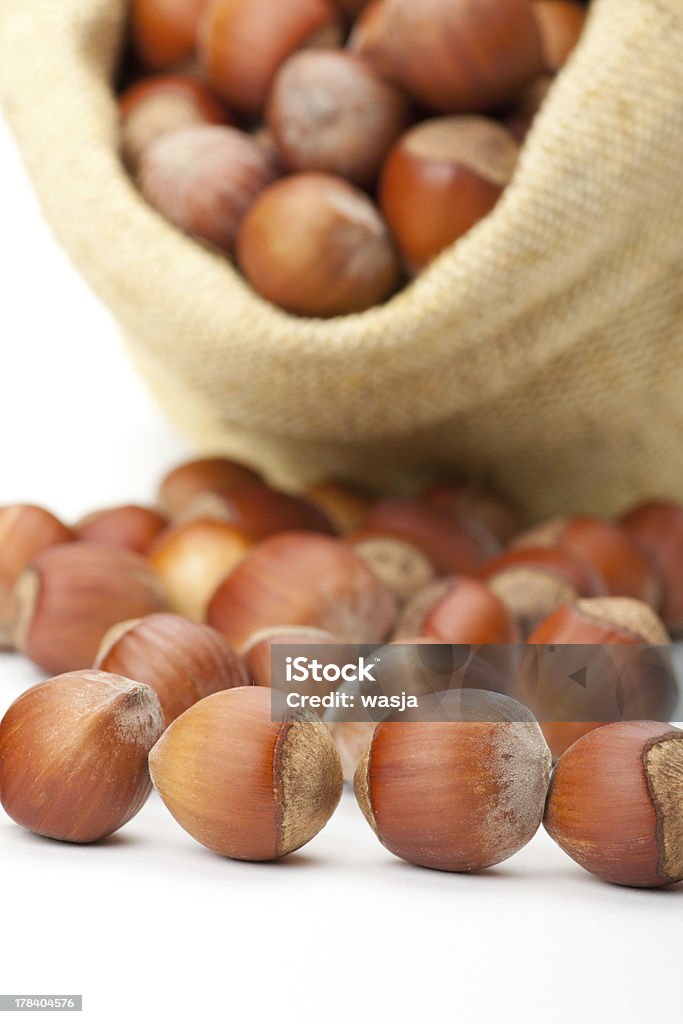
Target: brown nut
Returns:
[[469, 613], [73, 755], [165, 31], [560, 23], [192, 558], [25, 531], [615, 804], [302, 579], [453, 545], [339, 257], [204, 178], [258, 653], [258, 510], [244, 42], [535, 582], [243, 785], [346, 507], [459, 795], [456, 56], [125, 526], [163, 104], [201, 476], [71, 594], [607, 548], [473, 501], [646, 690], [330, 110], [656, 528], [182, 661], [399, 564], [440, 179]]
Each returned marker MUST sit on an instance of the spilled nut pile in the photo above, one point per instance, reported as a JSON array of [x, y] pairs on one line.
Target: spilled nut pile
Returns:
[[157, 626], [333, 148]]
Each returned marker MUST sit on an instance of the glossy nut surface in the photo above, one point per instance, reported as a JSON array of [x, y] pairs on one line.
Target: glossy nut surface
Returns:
[[458, 795], [125, 526], [615, 804], [182, 661], [72, 594], [73, 755], [302, 579], [242, 785]]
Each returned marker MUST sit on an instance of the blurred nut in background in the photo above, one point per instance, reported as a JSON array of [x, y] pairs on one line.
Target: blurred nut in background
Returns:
[[244, 42], [330, 110], [201, 476], [182, 661], [192, 558], [71, 594], [300, 579], [25, 530], [440, 179], [125, 526], [315, 245], [165, 31], [204, 178], [163, 104]]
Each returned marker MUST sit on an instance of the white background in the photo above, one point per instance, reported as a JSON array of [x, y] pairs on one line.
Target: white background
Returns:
[[149, 925]]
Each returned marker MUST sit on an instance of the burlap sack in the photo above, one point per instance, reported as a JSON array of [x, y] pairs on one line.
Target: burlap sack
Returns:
[[544, 352]]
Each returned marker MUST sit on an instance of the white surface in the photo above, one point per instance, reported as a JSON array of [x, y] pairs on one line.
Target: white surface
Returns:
[[341, 931]]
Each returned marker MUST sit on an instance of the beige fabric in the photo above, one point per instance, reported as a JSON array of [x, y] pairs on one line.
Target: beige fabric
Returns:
[[542, 353]]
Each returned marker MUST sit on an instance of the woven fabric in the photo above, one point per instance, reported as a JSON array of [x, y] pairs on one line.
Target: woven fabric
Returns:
[[543, 353]]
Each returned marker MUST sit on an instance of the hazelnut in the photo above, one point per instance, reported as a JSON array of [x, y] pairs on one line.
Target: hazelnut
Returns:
[[182, 484], [71, 594], [417, 608], [440, 179], [126, 526], [339, 257], [344, 506], [302, 579], [73, 755], [456, 795], [258, 653], [25, 530], [399, 564], [534, 582], [244, 42], [560, 23], [607, 548], [615, 804], [456, 56], [163, 104], [165, 31], [330, 110], [258, 510], [452, 545], [352, 8], [620, 687], [203, 179], [472, 501], [656, 528], [182, 661], [243, 785], [192, 558], [469, 613]]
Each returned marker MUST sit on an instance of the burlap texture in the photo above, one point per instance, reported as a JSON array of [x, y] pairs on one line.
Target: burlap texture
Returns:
[[543, 353]]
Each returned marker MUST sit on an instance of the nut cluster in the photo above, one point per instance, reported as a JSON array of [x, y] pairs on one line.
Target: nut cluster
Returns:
[[157, 625], [334, 148]]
